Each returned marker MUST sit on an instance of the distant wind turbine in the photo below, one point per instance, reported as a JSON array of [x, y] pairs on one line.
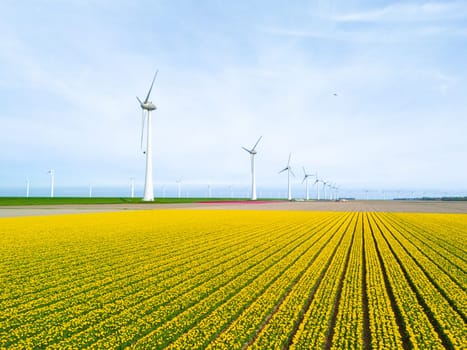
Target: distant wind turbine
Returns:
[[27, 188], [324, 188], [333, 191], [336, 189], [317, 185], [288, 168], [52, 181], [253, 177], [132, 187], [90, 190], [305, 179], [179, 188], [146, 107]]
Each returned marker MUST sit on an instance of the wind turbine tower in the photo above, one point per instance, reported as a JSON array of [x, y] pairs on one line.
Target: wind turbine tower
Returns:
[[52, 182], [317, 186], [179, 188], [305, 179], [132, 187], [253, 177], [27, 188], [147, 107], [288, 168]]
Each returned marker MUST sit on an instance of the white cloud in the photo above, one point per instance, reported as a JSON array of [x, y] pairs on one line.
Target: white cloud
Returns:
[[408, 12]]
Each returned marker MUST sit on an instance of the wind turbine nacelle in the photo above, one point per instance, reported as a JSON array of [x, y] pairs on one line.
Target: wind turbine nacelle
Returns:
[[149, 106]]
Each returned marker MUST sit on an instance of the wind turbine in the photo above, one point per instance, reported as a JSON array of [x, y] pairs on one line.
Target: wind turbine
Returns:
[[146, 107], [317, 186], [253, 177], [90, 190], [179, 188], [52, 182], [288, 168], [305, 179], [27, 188], [329, 184], [324, 188], [132, 187]]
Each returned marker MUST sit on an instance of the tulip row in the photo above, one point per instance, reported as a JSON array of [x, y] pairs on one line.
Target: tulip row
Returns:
[[225, 304], [449, 265], [384, 330], [313, 332], [157, 308], [103, 290], [76, 310], [348, 329], [250, 321], [416, 325], [279, 329], [444, 318], [437, 235]]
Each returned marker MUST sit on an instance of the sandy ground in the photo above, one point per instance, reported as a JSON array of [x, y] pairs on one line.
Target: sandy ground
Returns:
[[360, 206]]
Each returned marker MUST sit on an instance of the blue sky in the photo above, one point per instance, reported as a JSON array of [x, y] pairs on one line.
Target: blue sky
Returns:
[[230, 71]]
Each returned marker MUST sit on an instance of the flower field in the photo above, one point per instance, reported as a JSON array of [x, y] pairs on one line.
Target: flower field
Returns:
[[228, 279]]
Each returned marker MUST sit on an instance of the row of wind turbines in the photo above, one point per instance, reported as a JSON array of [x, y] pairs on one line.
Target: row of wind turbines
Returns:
[[147, 107], [333, 188]]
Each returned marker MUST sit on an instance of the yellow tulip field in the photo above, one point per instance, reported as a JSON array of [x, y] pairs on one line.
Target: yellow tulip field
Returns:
[[234, 279]]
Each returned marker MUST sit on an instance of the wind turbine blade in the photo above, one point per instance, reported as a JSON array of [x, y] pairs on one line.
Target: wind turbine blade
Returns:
[[142, 129], [140, 102], [256, 144], [290, 155], [304, 171], [149, 92], [304, 178], [283, 170], [246, 149], [290, 169]]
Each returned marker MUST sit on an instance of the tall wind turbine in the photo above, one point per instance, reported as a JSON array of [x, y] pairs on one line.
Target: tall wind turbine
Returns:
[[52, 181], [288, 168], [305, 179], [27, 188], [253, 177], [146, 107], [324, 188]]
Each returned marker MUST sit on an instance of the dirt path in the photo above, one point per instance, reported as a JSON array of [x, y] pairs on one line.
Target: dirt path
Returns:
[[358, 206]]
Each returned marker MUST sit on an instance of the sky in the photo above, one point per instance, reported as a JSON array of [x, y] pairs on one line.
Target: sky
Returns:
[[369, 94]]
